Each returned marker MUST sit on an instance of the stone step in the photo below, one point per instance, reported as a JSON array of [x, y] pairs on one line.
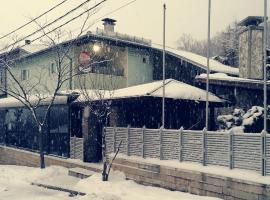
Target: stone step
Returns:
[[80, 172]]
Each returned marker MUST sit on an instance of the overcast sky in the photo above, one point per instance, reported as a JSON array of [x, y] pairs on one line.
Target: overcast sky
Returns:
[[142, 18]]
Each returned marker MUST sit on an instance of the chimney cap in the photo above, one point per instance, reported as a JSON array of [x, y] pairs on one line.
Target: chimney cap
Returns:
[[109, 21], [251, 20]]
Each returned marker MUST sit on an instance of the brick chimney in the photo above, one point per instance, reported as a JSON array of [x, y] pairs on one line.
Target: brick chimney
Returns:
[[251, 48], [109, 24]]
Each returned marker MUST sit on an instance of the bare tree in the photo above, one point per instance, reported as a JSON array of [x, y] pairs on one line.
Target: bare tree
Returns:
[[188, 43], [39, 90], [224, 45]]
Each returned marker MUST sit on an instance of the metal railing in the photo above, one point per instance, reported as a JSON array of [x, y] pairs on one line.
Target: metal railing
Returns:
[[232, 150], [130, 38]]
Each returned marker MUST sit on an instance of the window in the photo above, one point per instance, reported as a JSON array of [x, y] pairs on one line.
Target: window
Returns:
[[1, 77], [145, 59], [52, 68], [24, 74]]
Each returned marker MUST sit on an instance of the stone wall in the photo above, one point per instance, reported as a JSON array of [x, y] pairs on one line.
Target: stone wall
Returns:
[[191, 181]]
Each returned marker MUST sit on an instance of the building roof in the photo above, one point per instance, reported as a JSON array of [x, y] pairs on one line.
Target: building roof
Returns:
[[32, 48], [225, 80], [192, 58], [200, 61], [11, 102], [251, 20], [173, 90]]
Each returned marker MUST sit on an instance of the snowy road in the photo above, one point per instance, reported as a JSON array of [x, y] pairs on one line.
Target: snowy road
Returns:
[[15, 185]]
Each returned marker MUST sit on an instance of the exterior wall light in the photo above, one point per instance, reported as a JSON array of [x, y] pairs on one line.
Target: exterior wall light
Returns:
[[96, 48]]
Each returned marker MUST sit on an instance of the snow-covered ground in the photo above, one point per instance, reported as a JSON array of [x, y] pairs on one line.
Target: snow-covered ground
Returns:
[[15, 184]]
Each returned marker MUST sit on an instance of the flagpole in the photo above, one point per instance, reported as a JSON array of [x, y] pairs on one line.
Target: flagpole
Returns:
[[208, 70], [163, 67], [265, 63]]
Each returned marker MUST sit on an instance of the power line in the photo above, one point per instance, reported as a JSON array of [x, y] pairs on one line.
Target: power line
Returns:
[[109, 13], [93, 7], [47, 25], [117, 9], [41, 15]]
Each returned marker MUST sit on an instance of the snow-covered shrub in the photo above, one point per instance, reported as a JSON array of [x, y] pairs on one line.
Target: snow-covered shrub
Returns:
[[227, 122], [239, 121], [253, 120]]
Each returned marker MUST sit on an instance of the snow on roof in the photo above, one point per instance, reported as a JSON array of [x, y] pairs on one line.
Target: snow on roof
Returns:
[[222, 76], [200, 60], [32, 48], [173, 89], [11, 102]]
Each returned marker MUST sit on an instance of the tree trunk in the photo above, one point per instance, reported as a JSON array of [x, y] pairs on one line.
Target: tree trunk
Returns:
[[104, 172], [41, 149], [104, 157]]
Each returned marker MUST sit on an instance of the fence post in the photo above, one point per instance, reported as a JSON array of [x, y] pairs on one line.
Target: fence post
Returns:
[[160, 144], [181, 144], [114, 139], [128, 133], [143, 133], [204, 132], [263, 149], [230, 149]]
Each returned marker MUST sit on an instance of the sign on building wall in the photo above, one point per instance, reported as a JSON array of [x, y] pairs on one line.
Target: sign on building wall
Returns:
[[84, 61]]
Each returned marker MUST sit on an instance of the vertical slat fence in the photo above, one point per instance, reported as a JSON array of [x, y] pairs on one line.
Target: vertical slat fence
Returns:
[[243, 151]]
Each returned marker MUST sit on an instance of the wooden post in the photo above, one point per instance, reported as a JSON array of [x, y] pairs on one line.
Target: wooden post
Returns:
[[143, 133], [114, 139], [181, 144], [128, 133], [231, 149], [263, 150], [160, 144], [204, 132]]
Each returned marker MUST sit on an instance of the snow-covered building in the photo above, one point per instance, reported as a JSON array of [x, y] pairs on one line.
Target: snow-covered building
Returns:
[[129, 66]]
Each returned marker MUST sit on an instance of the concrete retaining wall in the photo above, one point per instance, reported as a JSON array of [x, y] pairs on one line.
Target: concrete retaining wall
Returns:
[[12, 156], [193, 182]]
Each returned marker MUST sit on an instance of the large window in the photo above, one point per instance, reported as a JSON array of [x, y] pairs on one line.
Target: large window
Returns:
[[58, 135], [19, 129], [102, 58]]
